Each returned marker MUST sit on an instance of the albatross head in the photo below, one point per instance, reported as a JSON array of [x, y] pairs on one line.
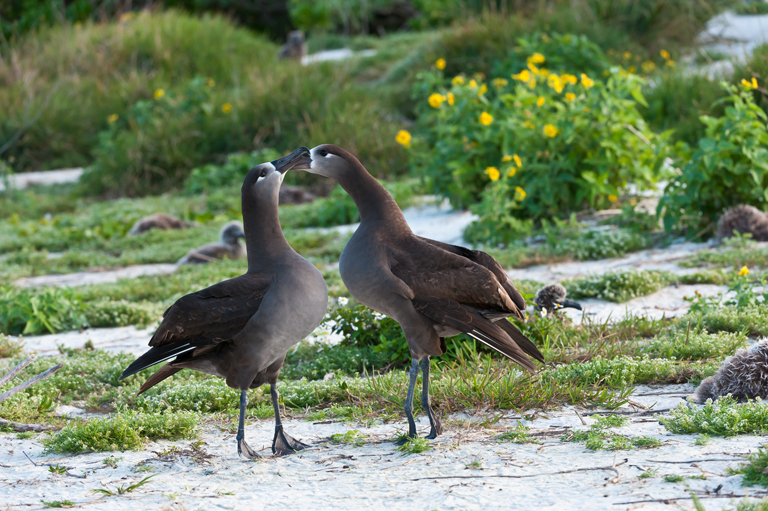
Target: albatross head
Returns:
[[231, 232], [329, 160], [263, 181]]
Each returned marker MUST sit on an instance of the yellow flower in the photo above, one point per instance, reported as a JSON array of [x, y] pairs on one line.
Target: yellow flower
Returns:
[[493, 173], [486, 119], [534, 69], [544, 72], [612, 198], [483, 90], [570, 96], [211, 82], [458, 80], [440, 64], [551, 131], [506, 158], [671, 63], [500, 82], [403, 138], [570, 79], [648, 66], [112, 118], [750, 85], [555, 82], [664, 54], [743, 271], [540, 101], [532, 83], [435, 100], [523, 75], [537, 58], [627, 55], [226, 108], [473, 83], [518, 161], [450, 98], [586, 81], [529, 124], [159, 93], [512, 171], [519, 194], [632, 69]]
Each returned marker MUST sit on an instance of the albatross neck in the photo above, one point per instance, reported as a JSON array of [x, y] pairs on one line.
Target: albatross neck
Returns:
[[264, 240], [373, 201]]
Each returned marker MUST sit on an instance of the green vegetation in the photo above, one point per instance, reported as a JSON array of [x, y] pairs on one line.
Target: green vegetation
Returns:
[[519, 435], [122, 431], [123, 488], [599, 437], [651, 472], [754, 471], [414, 446], [352, 437], [724, 417], [728, 167], [618, 286], [57, 503]]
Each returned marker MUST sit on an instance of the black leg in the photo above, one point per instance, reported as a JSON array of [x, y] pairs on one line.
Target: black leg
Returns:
[[283, 443], [435, 428], [413, 373], [243, 449]]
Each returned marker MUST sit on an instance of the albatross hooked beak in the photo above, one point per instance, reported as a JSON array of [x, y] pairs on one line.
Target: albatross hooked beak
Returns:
[[568, 303], [299, 158]]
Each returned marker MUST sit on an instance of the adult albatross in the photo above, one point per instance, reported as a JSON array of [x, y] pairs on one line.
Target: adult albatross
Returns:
[[434, 290], [242, 328]]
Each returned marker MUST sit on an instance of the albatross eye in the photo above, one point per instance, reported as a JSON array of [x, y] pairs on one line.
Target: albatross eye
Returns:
[[263, 173], [323, 152]]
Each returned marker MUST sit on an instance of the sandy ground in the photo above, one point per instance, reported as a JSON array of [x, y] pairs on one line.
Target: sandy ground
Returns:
[[376, 476], [46, 177], [96, 277]]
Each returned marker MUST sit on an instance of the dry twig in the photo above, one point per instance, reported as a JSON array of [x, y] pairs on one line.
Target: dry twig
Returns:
[[501, 476]]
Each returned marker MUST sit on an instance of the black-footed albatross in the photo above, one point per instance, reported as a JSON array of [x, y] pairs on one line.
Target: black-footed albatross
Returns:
[[552, 297], [228, 246], [434, 290], [242, 328], [743, 219]]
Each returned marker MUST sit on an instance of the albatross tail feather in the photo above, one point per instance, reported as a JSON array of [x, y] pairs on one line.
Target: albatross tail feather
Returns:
[[157, 355], [468, 320], [164, 372]]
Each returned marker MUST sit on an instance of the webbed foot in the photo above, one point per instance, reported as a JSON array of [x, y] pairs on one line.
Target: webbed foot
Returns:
[[284, 444]]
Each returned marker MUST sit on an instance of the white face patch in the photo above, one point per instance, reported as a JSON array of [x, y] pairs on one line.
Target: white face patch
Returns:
[[272, 171]]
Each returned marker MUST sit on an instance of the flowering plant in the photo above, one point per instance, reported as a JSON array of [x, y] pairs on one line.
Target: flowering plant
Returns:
[[535, 143]]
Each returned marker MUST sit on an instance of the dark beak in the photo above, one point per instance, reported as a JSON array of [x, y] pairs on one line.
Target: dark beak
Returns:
[[569, 303], [240, 235], [299, 158]]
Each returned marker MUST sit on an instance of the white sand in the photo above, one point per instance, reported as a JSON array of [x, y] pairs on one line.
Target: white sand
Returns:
[[96, 277], [46, 177], [375, 476]]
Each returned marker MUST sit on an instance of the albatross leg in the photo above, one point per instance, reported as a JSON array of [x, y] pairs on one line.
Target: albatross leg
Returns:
[[283, 443], [413, 373], [435, 428], [243, 449]]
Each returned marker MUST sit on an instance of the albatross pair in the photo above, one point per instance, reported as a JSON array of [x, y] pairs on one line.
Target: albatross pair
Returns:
[[241, 329]]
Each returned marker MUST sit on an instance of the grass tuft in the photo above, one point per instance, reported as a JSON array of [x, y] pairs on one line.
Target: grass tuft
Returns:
[[519, 435], [724, 417], [414, 446], [618, 286]]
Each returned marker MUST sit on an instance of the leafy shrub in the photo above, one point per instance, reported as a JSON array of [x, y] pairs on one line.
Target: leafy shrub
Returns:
[[724, 417], [598, 436], [25, 311], [618, 286], [542, 145], [316, 360], [230, 173], [729, 167], [751, 319], [754, 471], [569, 238], [159, 140], [123, 431], [109, 313]]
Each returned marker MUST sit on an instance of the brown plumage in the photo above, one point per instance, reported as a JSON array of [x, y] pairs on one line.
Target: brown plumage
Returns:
[[295, 195], [744, 376], [432, 289], [552, 297], [743, 219], [158, 221]]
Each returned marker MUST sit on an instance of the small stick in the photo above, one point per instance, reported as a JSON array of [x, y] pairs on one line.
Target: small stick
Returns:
[[16, 370], [20, 427], [580, 417], [690, 461], [648, 412], [701, 496], [585, 469], [30, 382]]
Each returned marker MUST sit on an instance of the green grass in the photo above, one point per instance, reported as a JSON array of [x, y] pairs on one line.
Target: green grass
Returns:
[[519, 435], [122, 431], [9, 347], [724, 417], [754, 471], [414, 446], [57, 503], [651, 472], [696, 345], [598, 437], [352, 438], [618, 286], [751, 8]]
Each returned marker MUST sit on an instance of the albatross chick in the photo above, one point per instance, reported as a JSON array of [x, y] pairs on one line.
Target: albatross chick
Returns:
[[228, 247]]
